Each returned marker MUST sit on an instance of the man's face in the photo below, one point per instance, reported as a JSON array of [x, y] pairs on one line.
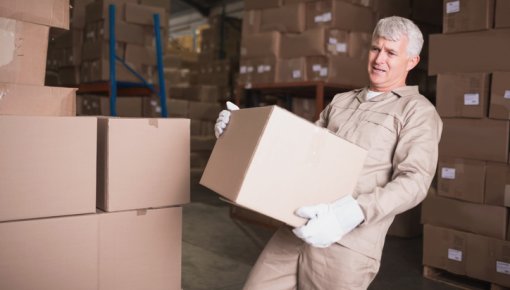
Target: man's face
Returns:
[[389, 63]]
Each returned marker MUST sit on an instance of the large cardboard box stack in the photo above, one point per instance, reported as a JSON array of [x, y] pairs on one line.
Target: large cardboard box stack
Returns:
[[296, 41], [57, 169], [469, 209]]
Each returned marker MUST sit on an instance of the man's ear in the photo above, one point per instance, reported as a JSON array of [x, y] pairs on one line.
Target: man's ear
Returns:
[[412, 62]]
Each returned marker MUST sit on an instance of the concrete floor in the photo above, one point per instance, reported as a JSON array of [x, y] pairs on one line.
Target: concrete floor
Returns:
[[218, 252]]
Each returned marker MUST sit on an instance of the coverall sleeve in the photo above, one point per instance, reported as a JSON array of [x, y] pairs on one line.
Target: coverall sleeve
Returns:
[[414, 166]]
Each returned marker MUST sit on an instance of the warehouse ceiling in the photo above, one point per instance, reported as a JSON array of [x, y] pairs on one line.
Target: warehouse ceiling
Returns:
[[202, 6]]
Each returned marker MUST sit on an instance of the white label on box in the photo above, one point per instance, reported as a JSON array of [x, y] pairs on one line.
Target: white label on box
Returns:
[[448, 173], [242, 69], [324, 72], [260, 69], [154, 103], [502, 267], [243, 50], [247, 86], [316, 67], [341, 47], [332, 40], [296, 74], [452, 7], [318, 19], [158, 109], [471, 99], [455, 255], [507, 94], [326, 17], [267, 68], [249, 69]]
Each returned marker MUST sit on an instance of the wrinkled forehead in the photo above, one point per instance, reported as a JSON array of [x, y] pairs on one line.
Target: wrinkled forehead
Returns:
[[398, 44]]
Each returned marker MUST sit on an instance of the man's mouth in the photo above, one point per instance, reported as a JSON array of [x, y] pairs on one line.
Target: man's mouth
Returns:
[[380, 70]]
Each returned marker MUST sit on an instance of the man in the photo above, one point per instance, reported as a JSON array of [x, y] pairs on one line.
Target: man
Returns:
[[340, 246]]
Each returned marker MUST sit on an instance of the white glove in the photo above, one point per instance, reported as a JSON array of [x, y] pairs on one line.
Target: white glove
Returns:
[[328, 223], [223, 119]]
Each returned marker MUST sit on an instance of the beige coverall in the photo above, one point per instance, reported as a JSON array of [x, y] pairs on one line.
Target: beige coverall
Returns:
[[401, 131]]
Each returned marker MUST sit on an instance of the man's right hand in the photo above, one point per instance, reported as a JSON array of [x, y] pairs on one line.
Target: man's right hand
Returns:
[[223, 119]]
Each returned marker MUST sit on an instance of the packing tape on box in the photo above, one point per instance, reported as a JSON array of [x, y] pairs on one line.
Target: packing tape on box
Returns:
[[7, 40]]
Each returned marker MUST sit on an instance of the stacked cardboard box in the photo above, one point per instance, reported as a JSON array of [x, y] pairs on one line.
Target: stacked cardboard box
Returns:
[[469, 212], [293, 41], [85, 203]]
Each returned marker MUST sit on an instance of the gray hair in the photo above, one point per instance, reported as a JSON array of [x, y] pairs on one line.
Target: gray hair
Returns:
[[394, 27]]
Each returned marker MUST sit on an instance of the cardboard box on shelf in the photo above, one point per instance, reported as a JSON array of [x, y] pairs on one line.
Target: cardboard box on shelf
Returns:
[[428, 11], [261, 71], [272, 170], [77, 12], [288, 18], [251, 22], [204, 111], [339, 14], [446, 249], [54, 13], [48, 166], [68, 76], [124, 32], [309, 68], [465, 216], [94, 105], [157, 3], [347, 71], [448, 52], [137, 54], [202, 143], [304, 108], [497, 184], [501, 14], [264, 44], [143, 15], [500, 96], [99, 49], [467, 15], [255, 4], [30, 100], [480, 139], [178, 108], [463, 95], [24, 51], [351, 44], [99, 70], [462, 179], [98, 10], [312, 42], [160, 150]]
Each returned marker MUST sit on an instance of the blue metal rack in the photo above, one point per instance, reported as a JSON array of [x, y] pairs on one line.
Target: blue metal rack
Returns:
[[113, 58]]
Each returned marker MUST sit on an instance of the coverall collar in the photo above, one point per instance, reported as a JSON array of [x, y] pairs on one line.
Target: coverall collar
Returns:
[[399, 92]]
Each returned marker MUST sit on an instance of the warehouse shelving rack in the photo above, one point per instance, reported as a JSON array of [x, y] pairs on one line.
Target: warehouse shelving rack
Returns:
[[319, 90], [113, 87]]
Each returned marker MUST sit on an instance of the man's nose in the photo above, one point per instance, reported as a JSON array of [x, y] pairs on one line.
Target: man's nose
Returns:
[[379, 58]]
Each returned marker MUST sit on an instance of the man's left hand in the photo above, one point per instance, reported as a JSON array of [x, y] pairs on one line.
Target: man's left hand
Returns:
[[328, 223]]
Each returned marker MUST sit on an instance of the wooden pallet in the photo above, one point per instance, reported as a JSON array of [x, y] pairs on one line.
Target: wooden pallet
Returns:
[[458, 281]]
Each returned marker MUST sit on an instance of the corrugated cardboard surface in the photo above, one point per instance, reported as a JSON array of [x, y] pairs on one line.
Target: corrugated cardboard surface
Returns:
[[143, 14], [309, 68], [264, 44], [348, 71], [480, 139], [311, 42], [462, 179], [47, 254], [500, 96], [288, 18], [270, 161], [251, 21], [256, 4], [497, 181], [23, 53], [29, 100], [339, 14], [53, 13], [480, 257], [486, 50], [140, 249], [465, 216], [125, 250], [463, 95], [467, 15], [445, 249], [143, 163], [47, 166], [124, 32], [501, 17]]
